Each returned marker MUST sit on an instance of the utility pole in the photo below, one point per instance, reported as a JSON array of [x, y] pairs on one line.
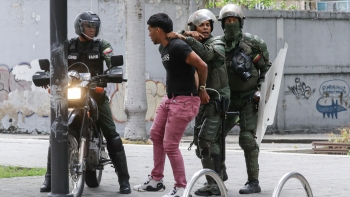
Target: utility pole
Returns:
[[58, 100], [135, 95]]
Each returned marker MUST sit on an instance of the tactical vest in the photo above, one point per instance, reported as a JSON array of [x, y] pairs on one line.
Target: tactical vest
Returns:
[[217, 73], [252, 47], [92, 58]]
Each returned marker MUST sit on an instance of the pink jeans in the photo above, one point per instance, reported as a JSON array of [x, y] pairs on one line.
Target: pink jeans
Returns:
[[172, 118]]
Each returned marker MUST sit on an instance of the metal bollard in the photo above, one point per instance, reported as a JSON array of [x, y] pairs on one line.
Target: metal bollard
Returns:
[[201, 173], [286, 177]]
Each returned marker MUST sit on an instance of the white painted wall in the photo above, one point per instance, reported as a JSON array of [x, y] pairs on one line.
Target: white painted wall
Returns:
[[317, 55]]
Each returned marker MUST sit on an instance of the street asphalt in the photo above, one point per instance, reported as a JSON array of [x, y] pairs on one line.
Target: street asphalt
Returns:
[[328, 175]]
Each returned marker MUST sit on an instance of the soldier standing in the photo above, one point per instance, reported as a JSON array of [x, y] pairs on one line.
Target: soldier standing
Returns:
[[247, 61], [207, 130]]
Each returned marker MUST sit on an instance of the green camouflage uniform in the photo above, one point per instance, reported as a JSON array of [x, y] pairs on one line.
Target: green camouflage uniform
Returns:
[[207, 130], [242, 97]]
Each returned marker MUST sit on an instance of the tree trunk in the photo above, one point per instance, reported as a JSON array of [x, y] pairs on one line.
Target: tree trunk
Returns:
[[135, 95]]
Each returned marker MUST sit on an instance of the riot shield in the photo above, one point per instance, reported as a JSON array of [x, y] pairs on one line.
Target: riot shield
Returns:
[[269, 94]]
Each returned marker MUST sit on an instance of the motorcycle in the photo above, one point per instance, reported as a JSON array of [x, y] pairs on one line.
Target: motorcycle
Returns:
[[87, 147]]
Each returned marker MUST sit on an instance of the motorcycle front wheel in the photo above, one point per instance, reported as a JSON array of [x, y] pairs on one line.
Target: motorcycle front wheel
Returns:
[[76, 179], [93, 177]]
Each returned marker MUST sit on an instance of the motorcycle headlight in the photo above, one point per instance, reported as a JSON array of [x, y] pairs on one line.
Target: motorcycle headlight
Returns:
[[74, 93]]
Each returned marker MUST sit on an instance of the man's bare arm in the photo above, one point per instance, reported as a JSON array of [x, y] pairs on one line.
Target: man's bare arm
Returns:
[[194, 60]]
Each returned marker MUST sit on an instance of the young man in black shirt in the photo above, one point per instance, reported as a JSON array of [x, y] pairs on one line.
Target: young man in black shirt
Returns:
[[177, 108]]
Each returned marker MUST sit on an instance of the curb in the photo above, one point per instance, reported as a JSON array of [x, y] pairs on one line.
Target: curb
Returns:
[[277, 141], [291, 141]]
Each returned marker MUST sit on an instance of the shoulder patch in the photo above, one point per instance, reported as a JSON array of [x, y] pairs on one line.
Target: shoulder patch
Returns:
[[107, 50]]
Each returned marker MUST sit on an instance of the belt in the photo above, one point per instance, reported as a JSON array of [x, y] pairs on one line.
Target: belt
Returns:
[[181, 94]]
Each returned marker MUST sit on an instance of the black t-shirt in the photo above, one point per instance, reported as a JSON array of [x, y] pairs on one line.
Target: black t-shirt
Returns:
[[180, 75]]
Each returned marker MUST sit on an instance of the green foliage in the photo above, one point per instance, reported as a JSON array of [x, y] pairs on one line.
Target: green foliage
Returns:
[[245, 3], [250, 4], [344, 136], [15, 171], [293, 7], [283, 5]]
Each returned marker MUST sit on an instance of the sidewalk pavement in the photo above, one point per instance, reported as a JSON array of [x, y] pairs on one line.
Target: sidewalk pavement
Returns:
[[328, 175]]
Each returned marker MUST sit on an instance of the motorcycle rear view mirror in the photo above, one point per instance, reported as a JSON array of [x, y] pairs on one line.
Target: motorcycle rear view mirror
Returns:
[[41, 79], [44, 64], [117, 60]]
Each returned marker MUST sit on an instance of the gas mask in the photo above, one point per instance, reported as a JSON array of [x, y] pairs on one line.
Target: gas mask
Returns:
[[241, 64]]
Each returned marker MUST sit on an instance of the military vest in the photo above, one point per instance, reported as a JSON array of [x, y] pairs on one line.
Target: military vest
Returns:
[[256, 49], [91, 57]]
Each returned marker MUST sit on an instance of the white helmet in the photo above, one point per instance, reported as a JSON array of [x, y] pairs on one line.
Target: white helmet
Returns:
[[199, 17]]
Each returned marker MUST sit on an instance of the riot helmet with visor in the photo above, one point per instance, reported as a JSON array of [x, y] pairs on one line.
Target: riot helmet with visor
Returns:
[[199, 17]]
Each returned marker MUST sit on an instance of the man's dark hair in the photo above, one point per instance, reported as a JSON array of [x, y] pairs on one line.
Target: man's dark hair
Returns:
[[162, 21]]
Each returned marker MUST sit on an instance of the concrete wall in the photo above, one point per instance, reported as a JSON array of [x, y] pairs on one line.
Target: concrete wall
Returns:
[[315, 72]]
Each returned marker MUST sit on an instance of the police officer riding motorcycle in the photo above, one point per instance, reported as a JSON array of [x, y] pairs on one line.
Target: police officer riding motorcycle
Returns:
[[91, 52]]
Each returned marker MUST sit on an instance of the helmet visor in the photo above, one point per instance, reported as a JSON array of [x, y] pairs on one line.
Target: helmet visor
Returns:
[[200, 16], [91, 24]]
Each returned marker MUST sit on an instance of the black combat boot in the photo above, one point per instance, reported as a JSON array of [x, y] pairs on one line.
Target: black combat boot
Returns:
[[121, 168], [46, 186], [250, 187], [210, 188]]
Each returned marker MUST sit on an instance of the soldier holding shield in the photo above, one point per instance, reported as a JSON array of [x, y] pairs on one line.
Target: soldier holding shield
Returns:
[[247, 61]]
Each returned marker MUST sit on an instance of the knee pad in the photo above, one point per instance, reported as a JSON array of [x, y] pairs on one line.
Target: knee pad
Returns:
[[115, 144], [210, 128], [247, 141]]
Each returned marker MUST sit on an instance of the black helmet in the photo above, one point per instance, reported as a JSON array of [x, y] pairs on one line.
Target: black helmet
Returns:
[[87, 17]]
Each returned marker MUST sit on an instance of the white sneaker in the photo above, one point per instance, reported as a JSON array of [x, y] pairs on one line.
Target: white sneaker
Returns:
[[176, 192], [150, 185]]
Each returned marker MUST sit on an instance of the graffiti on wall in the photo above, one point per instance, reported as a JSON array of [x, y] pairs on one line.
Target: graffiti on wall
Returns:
[[9, 83], [16, 95], [154, 92], [335, 96], [300, 90]]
